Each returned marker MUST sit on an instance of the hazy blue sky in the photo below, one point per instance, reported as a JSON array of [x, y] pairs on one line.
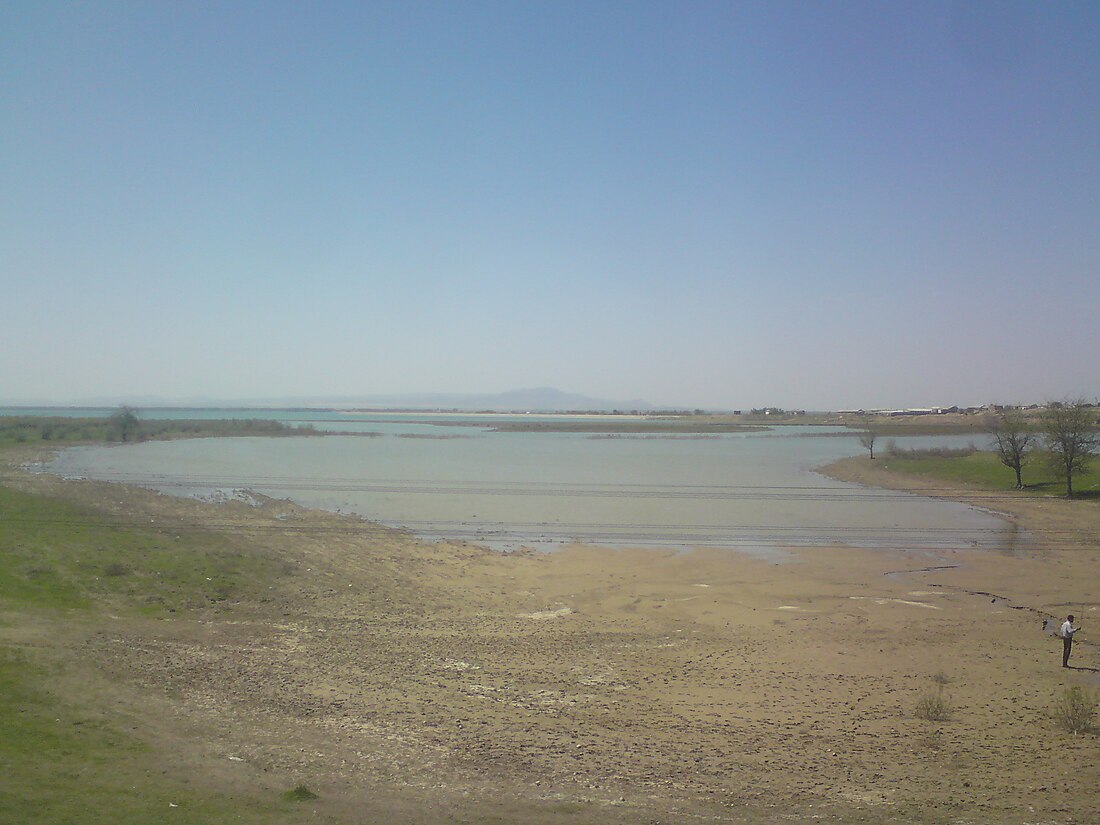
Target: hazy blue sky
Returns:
[[715, 204]]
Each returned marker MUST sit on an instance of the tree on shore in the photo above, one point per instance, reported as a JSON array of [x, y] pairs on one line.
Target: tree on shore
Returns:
[[867, 439], [1013, 441], [1071, 435], [125, 422]]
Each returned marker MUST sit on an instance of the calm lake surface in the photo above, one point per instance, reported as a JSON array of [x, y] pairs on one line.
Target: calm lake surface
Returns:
[[438, 477]]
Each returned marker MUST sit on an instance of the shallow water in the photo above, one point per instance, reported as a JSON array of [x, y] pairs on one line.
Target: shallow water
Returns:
[[752, 491]]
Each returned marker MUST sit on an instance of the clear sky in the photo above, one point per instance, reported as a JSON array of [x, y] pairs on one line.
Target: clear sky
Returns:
[[735, 204]]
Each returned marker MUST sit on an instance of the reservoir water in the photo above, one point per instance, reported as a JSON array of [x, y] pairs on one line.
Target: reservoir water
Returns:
[[441, 477]]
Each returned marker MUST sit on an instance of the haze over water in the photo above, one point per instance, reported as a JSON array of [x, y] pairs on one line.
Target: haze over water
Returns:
[[751, 491]]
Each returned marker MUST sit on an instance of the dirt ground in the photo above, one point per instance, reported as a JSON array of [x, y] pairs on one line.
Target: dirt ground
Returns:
[[444, 682]]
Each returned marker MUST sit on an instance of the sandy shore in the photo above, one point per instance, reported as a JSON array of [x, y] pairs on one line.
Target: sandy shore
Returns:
[[432, 682]]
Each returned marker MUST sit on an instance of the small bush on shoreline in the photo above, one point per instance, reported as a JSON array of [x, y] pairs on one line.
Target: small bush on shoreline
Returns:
[[933, 706], [1076, 710]]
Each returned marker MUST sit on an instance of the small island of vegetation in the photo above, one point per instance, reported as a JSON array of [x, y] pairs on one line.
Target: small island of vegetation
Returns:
[[126, 425]]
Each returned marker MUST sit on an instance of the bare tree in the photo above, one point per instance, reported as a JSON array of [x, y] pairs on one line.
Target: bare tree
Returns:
[[1071, 435], [125, 422], [1013, 441], [867, 439]]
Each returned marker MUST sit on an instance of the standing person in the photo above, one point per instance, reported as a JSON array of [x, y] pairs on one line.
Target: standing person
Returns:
[[1066, 633]]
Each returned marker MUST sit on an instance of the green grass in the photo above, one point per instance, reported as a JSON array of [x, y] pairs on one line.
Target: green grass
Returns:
[[54, 554], [61, 764], [982, 469], [299, 793], [80, 762]]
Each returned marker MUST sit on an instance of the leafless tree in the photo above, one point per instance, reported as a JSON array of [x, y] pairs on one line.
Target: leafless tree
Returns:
[[1013, 441], [867, 439], [1071, 435]]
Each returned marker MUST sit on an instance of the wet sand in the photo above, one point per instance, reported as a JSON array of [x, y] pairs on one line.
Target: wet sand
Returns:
[[432, 682]]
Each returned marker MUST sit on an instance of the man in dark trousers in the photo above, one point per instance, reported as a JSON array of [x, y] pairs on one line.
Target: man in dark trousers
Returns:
[[1067, 638]]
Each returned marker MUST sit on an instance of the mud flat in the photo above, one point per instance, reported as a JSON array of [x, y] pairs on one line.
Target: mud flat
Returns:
[[444, 682]]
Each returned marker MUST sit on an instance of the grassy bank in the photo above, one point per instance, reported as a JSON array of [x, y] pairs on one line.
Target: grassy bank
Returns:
[[71, 749], [69, 762], [982, 469], [58, 555]]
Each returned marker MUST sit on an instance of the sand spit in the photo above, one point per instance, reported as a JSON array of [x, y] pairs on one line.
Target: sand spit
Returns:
[[597, 685]]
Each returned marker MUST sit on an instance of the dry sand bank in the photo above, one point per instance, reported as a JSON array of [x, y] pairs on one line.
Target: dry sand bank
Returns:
[[432, 682], [613, 424]]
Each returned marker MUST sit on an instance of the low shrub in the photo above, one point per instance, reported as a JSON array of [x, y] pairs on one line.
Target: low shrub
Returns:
[[933, 706], [299, 793], [1076, 710]]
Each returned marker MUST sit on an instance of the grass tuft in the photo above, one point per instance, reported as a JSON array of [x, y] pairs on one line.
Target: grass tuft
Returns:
[[1076, 710], [116, 569], [299, 793], [933, 706]]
